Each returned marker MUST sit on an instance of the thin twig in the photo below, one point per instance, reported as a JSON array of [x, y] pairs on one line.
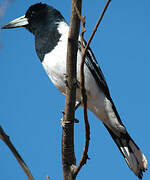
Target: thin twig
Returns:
[[84, 101], [7, 141], [82, 87], [96, 26]]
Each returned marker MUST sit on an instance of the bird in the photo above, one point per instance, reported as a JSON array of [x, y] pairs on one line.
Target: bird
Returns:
[[50, 29]]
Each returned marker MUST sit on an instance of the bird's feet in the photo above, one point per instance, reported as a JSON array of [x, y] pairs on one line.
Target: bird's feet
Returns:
[[63, 123]]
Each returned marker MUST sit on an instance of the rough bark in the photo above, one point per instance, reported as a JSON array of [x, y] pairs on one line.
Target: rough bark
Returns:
[[68, 156]]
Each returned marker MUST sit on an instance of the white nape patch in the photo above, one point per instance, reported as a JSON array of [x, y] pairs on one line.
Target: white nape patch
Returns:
[[63, 29]]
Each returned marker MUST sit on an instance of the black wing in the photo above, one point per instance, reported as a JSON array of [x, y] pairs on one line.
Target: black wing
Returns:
[[94, 68]]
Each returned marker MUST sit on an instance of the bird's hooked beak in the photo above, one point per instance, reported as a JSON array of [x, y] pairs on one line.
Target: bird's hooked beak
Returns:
[[19, 22]]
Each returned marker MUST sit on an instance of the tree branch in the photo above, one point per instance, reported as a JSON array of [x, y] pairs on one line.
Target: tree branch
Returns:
[[96, 26], [84, 101], [82, 86], [7, 141], [68, 156]]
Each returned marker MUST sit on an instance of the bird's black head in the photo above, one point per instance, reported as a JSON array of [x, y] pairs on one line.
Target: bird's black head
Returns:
[[41, 16], [38, 17], [37, 12]]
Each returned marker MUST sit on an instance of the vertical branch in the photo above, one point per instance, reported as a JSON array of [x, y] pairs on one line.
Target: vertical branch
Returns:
[[68, 156]]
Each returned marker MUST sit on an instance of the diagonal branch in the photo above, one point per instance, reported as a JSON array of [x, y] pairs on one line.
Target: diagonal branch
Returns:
[[82, 86], [96, 26], [7, 141]]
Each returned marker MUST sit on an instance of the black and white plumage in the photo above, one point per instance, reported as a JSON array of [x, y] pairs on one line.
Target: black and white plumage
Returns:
[[51, 36]]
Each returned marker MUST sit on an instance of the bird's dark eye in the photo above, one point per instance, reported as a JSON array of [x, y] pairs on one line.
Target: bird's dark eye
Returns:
[[32, 15]]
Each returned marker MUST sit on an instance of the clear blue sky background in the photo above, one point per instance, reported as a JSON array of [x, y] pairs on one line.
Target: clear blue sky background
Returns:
[[30, 105]]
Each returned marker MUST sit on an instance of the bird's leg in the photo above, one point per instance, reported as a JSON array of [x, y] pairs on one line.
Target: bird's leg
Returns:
[[63, 123], [62, 119], [78, 103]]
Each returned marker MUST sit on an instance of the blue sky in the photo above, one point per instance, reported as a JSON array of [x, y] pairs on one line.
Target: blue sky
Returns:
[[30, 105]]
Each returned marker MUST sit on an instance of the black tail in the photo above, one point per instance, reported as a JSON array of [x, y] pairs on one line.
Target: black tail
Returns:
[[131, 153]]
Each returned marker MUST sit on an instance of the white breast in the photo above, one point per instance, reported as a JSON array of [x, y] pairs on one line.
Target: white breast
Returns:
[[55, 65], [55, 62]]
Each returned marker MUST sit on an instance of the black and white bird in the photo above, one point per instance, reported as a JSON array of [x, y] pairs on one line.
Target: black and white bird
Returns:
[[51, 35]]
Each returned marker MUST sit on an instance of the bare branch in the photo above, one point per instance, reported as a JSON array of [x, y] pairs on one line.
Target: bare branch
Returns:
[[84, 99], [82, 87], [7, 141], [96, 26], [68, 156]]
